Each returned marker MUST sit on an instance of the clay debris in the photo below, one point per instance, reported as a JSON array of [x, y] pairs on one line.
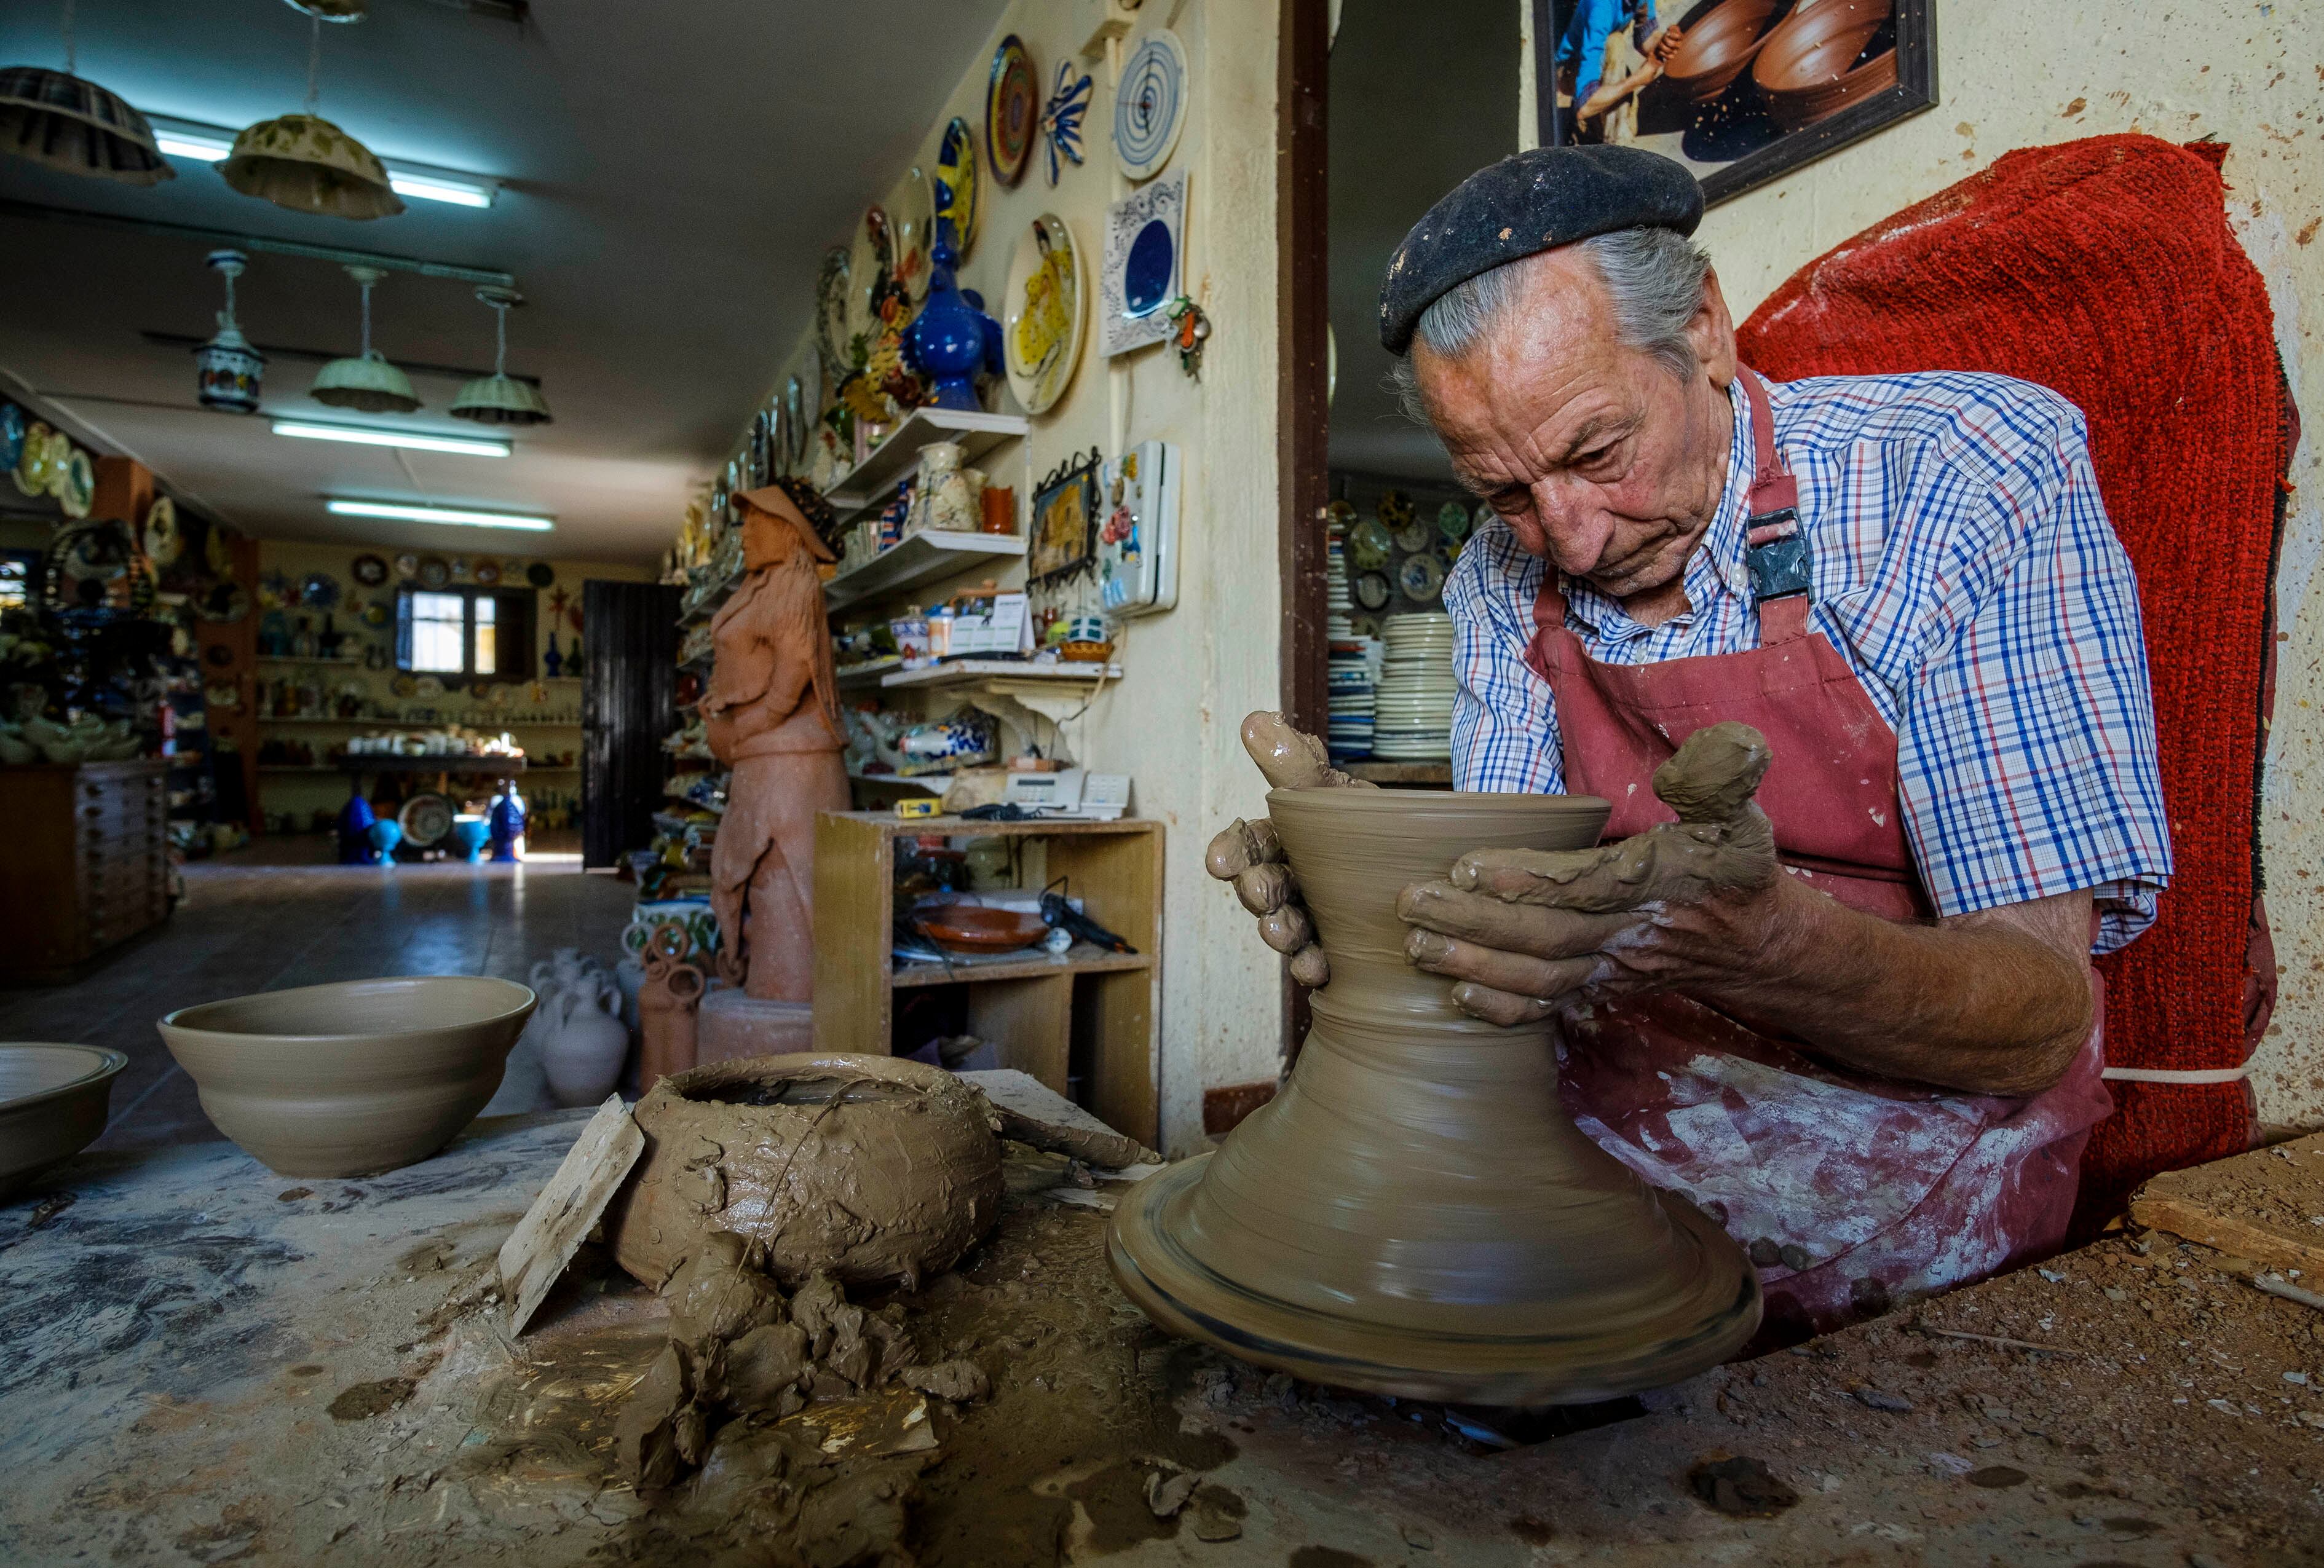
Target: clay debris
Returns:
[[742, 1356]]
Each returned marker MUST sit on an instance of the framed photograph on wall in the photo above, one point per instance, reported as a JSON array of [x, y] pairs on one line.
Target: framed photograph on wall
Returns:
[[1063, 532], [1740, 91]]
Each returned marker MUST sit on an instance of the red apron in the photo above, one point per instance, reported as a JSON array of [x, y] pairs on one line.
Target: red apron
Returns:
[[1852, 1192]]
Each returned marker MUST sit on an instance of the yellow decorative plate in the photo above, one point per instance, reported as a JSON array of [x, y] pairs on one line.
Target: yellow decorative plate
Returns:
[[1042, 329]]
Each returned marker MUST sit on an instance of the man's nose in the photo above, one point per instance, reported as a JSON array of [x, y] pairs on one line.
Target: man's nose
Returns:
[[1574, 528]]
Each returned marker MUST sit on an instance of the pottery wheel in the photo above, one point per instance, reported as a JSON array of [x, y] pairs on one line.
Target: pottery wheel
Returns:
[[1416, 1214]]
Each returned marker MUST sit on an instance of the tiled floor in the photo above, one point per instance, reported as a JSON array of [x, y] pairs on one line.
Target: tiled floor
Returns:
[[278, 915]]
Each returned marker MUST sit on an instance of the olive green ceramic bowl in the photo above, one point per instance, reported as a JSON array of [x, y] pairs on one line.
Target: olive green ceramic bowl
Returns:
[[352, 1078], [52, 1105]]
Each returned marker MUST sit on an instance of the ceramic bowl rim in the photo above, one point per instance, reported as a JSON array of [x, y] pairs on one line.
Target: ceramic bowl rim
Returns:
[[1388, 797], [177, 1020], [110, 1064]]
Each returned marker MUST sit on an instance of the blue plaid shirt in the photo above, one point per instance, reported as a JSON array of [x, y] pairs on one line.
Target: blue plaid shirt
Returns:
[[1965, 569]]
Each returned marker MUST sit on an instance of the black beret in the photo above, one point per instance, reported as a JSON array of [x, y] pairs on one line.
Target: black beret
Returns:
[[1528, 203]]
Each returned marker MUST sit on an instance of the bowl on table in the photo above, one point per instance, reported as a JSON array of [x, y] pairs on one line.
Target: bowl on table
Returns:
[[351, 1078], [52, 1105], [974, 929]]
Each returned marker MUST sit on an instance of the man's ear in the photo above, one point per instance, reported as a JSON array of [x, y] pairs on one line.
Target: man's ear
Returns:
[[1712, 333]]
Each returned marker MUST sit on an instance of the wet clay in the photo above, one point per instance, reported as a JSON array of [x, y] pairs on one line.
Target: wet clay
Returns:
[[1416, 1214], [1249, 854], [870, 1168]]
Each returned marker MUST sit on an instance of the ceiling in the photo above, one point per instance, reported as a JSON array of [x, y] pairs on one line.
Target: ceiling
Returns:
[[1422, 97], [672, 174]]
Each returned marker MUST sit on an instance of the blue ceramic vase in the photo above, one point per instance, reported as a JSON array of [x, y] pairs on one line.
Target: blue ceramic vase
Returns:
[[356, 818], [507, 820], [953, 340]]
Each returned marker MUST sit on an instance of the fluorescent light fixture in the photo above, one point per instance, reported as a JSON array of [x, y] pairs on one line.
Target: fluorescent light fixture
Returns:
[[403, 513], [412, 441], [212, 144]]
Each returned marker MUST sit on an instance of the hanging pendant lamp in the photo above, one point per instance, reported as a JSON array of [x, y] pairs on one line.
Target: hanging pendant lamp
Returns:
[[307, 164], [500, 399], [332, 9], [367, 382], [227, 370], [54, 118]]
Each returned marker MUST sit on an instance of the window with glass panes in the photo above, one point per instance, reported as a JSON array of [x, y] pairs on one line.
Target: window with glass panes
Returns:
[[463, 631]]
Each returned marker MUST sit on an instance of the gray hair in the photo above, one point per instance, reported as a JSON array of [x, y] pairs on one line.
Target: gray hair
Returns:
[[1654, 275]]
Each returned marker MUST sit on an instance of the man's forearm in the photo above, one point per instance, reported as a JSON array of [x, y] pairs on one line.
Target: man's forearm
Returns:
[[1992, 1004]]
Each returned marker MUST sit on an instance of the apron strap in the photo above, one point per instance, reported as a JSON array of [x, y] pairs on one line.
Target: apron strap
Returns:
[[1776, 553]]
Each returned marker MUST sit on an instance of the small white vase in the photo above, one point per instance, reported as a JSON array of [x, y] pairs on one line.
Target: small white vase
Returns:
[[585, 1048]]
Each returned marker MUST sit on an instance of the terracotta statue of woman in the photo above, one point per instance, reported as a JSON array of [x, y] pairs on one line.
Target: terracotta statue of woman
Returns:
[[772, 714]]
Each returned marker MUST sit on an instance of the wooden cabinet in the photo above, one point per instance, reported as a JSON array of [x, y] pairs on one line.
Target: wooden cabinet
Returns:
[[1034, 1010], [87, 864]]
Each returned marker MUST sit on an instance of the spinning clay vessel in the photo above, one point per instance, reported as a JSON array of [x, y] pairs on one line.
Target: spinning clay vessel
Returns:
[[1416, 1214]]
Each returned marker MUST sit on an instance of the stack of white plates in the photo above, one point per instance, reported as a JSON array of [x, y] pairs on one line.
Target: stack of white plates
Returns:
[[1412, 709]]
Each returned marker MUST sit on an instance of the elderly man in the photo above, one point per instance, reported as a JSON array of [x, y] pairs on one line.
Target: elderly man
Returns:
[[1878, 1071]]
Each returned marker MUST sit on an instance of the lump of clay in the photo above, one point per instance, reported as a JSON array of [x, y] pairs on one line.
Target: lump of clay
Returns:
[[873, 1168], [858, 1347], [662, 1432], [766, 1369], [716, 1296], [959, 1381]]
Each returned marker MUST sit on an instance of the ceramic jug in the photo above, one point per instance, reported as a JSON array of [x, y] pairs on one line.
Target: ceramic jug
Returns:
[[586, 1047]]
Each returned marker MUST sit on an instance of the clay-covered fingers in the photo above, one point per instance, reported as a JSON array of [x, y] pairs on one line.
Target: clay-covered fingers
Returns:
[[1490, 922], [1241, 845], [1503, 1008], [1545, 980], [1291, 759], [1601, 879]]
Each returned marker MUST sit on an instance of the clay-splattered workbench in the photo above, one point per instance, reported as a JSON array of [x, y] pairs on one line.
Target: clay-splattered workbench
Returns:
[[203, 1362]]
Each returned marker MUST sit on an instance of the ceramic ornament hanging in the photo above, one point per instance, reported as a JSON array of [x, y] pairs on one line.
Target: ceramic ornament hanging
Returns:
[[367, 381], [56, 119], [307, 164], [956, 191], [1140, 277], [1012, 111], [1150, 109], [227, 370], [500, 397], [1061, 120]]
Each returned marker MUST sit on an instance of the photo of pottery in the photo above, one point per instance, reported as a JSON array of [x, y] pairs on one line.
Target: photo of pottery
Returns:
[[1739, 91]]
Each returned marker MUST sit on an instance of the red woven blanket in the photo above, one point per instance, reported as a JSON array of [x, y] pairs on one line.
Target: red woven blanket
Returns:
[[2105, 269]]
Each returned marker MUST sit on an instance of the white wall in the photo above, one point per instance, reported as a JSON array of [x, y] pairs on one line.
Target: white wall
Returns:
[[2250, 75], [1190, 675]]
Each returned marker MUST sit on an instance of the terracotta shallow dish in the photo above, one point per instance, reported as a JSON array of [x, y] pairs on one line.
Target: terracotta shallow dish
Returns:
[[353, 1078], [1714, 51], [52, 1105], [974, 929]]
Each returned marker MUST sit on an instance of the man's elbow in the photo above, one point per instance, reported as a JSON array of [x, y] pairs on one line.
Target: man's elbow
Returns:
[[2060, 1029]]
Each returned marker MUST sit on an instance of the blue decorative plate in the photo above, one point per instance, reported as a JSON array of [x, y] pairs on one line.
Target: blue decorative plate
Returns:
[[13, 426]]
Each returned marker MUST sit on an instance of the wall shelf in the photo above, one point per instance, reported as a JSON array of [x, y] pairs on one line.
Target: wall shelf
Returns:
[[871, 481], [973, 671], [930, 783], [924, 557]]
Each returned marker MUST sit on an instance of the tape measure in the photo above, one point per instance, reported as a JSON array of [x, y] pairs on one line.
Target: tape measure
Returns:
[[909, 808]]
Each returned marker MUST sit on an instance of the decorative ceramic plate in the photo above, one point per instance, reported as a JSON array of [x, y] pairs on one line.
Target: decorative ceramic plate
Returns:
[[75, 482], [407, 566], [539, 575], [426, 819], [428, 686], [404, 685], [1042, 328], [1339, 515], [1368, 546], [1371, 591], [163, 543], [377, 612], [1420, 577], [481, 690], [487, 572], [1150, 106], [795, 414], [460, 568], [1448, 551], [1414, 536], [1396, 509], [870, 260], [368, 570], [217, 552], [319, 591], [435, 571], [1012, 111], [1453, 520], [14, 422], [955, 192], [913, 208], [831, 296], [33, 460]]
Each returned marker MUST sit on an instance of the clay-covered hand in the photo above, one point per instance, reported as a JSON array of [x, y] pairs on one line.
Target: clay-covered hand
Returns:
[[1682, 903], [1249, 854]]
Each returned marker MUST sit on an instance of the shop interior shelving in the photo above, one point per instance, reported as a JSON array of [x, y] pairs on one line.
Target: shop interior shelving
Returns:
[[925, 557], [868, 485]]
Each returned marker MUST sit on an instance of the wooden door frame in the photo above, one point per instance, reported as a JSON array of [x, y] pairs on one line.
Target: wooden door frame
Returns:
[[1303, 293]]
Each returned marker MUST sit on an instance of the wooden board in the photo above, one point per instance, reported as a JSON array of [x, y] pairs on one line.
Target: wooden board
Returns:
[[544, 1241], [2267, 1205]]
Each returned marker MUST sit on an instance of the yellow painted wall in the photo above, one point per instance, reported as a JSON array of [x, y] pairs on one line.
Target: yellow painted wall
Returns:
[[1192, 673], [305, 793], [2250, 75]]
